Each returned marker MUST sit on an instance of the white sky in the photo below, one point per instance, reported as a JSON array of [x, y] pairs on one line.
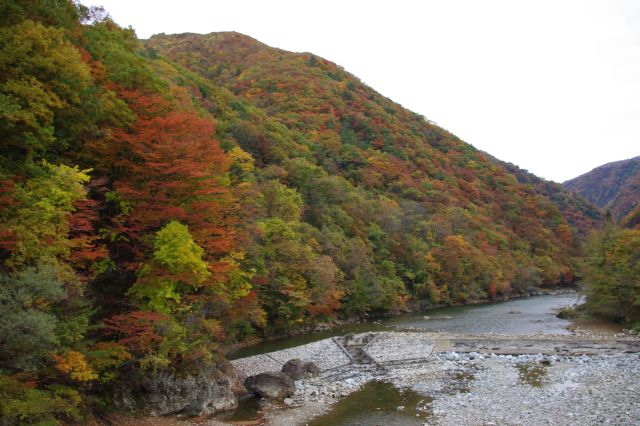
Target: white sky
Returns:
[[550, 85]]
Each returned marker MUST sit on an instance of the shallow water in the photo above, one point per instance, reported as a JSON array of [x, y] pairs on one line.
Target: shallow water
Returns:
[[524, 316], [531, 374], [248, 409], [378, 403]]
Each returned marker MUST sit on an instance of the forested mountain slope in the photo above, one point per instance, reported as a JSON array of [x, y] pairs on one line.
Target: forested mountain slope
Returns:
[[329, 127], [614, 186], [154, 209]]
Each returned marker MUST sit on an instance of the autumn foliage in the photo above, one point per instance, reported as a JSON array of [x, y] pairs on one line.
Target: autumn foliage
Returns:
[[137, 330], [169, 167], [153, 211]]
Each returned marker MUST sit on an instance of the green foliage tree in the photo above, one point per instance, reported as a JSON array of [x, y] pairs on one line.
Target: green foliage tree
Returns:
[[57, 13], [23, 404], [177, 267], [27, 319], [39, 217], [117, 51], [612, 275], [42, 76]]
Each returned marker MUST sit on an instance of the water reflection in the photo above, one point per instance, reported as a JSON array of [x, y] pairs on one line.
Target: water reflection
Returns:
[[378, 403], [248, 409]]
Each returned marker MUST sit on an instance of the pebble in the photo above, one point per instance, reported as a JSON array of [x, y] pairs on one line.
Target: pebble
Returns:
[[584, 390]]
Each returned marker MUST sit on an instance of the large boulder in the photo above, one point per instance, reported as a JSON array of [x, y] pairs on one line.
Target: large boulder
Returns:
[[298, 369], [204, 391], [271, 385]]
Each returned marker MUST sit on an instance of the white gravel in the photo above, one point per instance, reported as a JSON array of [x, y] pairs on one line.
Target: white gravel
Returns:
[[250, 366], [392, 347], [326, 354], [582, 390]]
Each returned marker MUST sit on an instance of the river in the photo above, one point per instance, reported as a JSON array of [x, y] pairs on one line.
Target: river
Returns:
[[522, 316]]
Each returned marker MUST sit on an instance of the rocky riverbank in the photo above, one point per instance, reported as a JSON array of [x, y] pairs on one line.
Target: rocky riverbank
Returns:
[[559, 386], [327, 327]]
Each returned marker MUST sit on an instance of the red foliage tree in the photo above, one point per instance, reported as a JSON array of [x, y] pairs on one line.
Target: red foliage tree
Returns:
[[85, 241], [136, 330], [167, 166], [7, 236]]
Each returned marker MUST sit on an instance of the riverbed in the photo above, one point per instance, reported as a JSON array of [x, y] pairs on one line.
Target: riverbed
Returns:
[[428, 378], [449, 387]]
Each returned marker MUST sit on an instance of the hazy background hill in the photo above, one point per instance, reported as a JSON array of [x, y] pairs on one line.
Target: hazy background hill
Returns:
[[615, 187]]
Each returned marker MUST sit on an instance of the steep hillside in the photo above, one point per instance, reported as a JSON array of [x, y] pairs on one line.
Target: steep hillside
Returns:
[[423, 190], [614, 186], [270, 78]]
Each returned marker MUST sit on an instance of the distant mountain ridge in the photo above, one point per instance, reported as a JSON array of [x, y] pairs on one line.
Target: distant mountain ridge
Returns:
[[613, 186]]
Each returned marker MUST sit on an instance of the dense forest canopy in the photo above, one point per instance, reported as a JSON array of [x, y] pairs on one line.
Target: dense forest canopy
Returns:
[[612, 275], [162, 199]]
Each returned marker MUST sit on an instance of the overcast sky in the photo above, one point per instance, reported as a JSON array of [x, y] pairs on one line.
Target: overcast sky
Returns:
[[550, 85]]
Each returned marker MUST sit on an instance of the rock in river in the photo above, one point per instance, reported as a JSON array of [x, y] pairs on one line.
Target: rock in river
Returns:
[[298, 370], [271, 385]]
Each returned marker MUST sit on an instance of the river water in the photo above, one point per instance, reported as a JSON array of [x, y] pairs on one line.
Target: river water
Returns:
[[523, 316]]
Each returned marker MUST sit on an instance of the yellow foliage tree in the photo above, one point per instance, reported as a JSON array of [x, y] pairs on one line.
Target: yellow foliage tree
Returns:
[[75, 365]]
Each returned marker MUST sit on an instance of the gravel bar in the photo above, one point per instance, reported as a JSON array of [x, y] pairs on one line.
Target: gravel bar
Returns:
[[394, 347]]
